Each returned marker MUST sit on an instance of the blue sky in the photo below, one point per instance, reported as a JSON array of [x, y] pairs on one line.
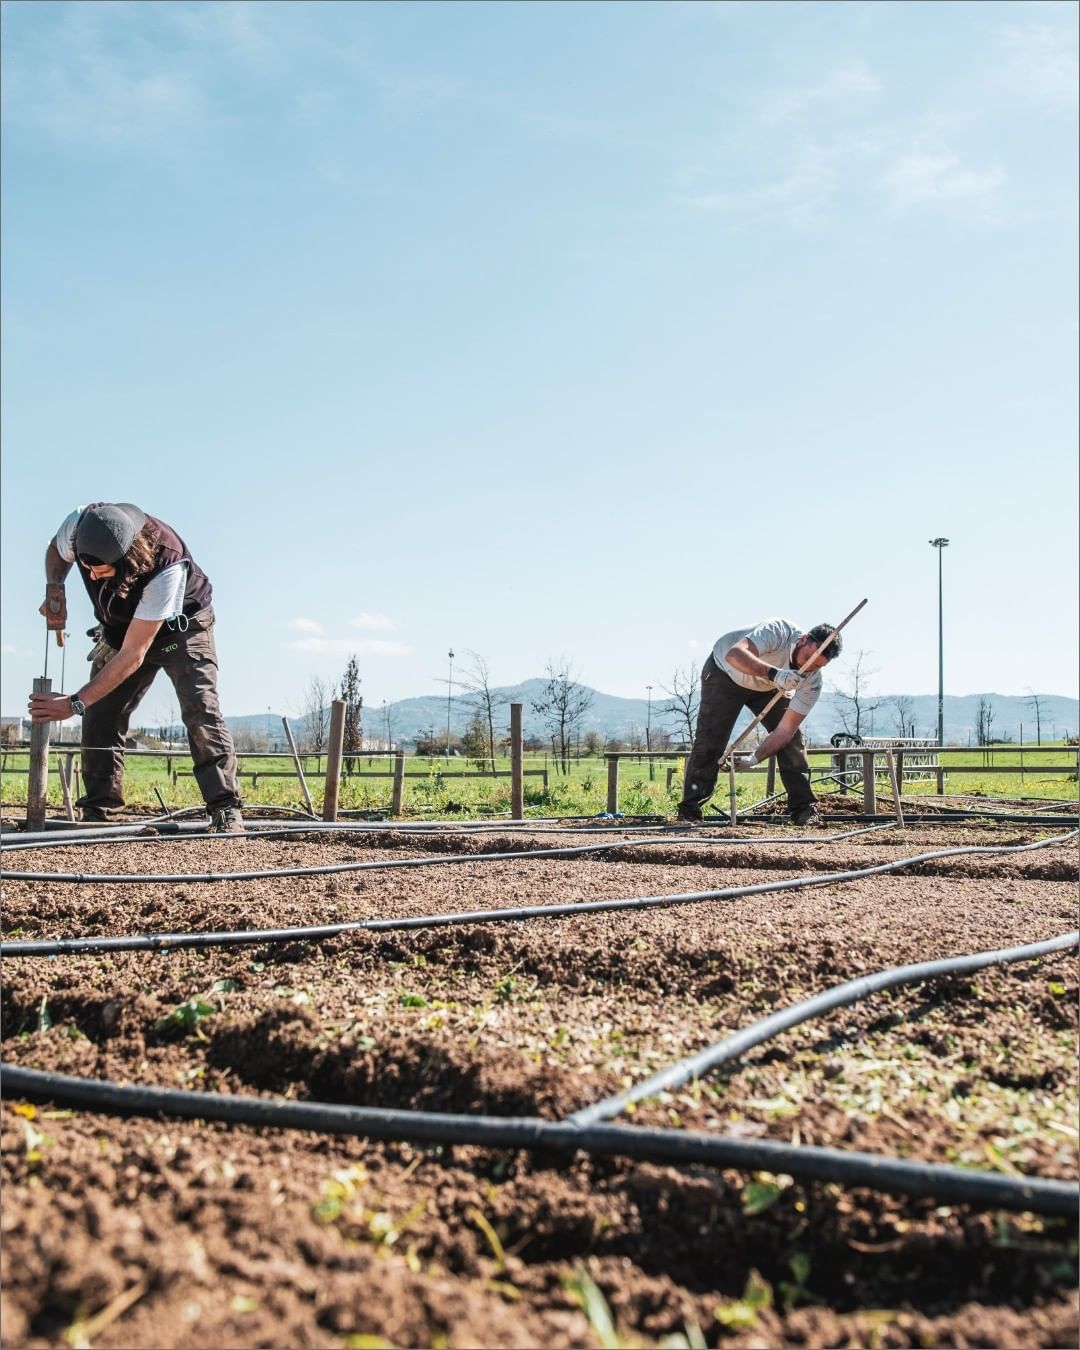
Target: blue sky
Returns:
[[550, 330]]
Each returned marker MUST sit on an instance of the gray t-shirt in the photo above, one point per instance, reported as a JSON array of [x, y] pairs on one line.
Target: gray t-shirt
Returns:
[[774, 640]]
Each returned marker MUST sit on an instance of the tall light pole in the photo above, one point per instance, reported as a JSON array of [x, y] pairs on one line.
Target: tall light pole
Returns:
[[449, 696], [648, 731], [940, 545]]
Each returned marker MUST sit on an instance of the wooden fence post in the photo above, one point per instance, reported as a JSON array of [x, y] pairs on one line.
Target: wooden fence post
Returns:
[[770, 782], [333, 759], [613, 785], [869, 786], [398, 794], [895, 787], [299, 766], [517, 782], [37, 784]]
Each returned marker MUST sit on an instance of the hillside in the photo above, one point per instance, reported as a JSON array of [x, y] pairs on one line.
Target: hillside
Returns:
[[615, 717]]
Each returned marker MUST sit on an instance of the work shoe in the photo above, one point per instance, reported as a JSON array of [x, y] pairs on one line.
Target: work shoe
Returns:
[[94, 815], [690, 812], [806, 815], [226, 820]]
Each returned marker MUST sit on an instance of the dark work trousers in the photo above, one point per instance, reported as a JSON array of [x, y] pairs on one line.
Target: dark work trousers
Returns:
[[190, 661], [721, 702]]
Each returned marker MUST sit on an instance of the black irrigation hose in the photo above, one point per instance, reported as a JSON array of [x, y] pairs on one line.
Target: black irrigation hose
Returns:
[[943, 1183], [176, 941], [435, 860], [946, 818], [839, 996]]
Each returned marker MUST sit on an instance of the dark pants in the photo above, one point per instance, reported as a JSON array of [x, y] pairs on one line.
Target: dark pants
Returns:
[[190, 661], [721, 702]]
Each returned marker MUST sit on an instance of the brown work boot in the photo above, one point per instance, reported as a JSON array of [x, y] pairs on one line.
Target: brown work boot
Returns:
[[226, 820], [690, 812]]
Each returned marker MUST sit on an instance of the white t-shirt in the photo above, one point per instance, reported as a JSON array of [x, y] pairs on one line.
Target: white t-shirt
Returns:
[[775, 641], [163, 597]]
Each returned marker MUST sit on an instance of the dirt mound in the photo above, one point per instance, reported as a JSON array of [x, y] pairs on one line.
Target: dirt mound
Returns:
[[146, 1232]]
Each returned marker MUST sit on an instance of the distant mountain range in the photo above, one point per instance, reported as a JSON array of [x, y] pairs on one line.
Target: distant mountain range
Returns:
[[620, 718]]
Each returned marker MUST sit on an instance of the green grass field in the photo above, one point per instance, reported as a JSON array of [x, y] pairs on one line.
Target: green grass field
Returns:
[[583, 791]]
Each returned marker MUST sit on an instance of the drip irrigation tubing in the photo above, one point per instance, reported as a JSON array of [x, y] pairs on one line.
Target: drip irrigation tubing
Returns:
[[948, 818], [437, 860], [319, 932], [839, 996], [684, 831], [941, 1182]]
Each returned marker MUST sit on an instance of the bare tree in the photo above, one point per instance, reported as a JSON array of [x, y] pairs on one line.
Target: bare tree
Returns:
[[984, 721], [856, 704], [904, 707], [1034, 702], [316, 714], [484, 701], [685, 693], [563, 706]]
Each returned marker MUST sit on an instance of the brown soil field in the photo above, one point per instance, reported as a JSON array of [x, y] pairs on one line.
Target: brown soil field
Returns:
[[140, 1232]]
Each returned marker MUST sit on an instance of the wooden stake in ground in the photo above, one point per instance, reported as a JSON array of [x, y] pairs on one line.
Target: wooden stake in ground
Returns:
[[37, 784], [895, 787], [333, 759], [397, 797], [732, 791], [299, 766], [63, 773], [517, 782], [780, 693]]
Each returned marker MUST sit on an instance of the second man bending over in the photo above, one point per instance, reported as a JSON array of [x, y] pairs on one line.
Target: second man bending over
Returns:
[[746, 668]]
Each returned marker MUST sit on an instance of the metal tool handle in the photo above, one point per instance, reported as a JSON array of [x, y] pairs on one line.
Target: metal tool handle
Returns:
[[780, 693]]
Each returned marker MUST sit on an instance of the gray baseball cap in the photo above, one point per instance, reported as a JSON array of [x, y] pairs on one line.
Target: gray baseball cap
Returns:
[[106, 531]]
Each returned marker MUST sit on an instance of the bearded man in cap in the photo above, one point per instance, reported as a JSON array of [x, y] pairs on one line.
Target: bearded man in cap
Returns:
[[152, 605]]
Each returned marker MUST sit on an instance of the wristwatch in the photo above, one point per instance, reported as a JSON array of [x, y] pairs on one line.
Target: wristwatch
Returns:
[[78, 707], [773, 672]]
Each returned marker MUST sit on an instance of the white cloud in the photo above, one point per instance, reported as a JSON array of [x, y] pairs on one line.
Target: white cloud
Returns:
[[363, 647], [302, 625], [91, 75], [841, 84], [928, 178], [1042, 63], [379, 621], [800, 195]]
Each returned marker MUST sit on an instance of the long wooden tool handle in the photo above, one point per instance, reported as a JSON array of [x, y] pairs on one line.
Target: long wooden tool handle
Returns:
[[780, 693]]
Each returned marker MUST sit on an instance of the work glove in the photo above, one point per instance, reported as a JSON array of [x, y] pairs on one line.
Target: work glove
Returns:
[[54, 607], [102, 652], [787, 680], [740, 763]]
